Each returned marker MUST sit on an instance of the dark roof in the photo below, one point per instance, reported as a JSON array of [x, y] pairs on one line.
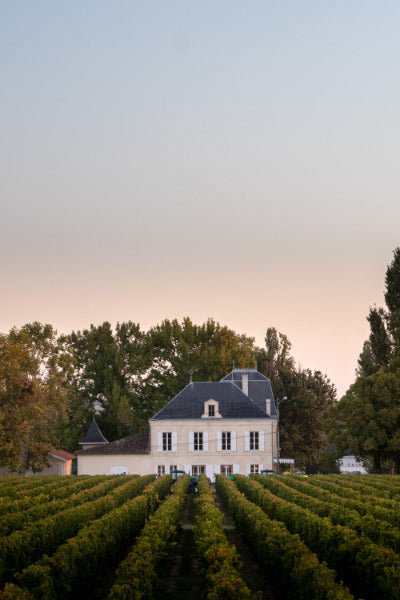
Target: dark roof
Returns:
[[259, 386], [189, 403], [134, 444], [94, 435]]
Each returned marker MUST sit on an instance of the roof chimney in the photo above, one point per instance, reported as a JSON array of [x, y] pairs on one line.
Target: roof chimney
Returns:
[[245, 384]]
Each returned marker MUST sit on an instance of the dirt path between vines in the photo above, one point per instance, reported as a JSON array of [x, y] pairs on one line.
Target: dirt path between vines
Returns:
[[179, 573]]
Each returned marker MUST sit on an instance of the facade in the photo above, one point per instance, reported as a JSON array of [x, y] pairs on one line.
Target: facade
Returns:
[[221, 427]]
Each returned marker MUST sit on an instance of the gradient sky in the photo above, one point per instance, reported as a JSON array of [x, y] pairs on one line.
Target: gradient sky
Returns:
[[233, 160]]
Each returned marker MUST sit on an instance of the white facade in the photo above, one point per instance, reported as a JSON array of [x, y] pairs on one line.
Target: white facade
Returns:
[[213, 447]]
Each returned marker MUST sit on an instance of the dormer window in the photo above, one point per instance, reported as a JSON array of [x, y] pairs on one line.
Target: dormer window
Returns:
[[211, 410]]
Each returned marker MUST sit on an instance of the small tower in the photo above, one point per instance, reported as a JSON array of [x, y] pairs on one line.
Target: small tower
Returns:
[[93, 437]]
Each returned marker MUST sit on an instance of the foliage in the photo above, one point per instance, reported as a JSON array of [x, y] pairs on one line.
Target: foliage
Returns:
[[175, 350], [219, 559], [367, 419], [106, 368], [294, 570], [308, 395], [33, 391]]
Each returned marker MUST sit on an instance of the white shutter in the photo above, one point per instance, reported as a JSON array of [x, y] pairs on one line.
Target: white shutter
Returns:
[[191, 441], [205, 441], [236, 469], [247, 441], [219, 441], [156, 469], [159, 441], [261, 441], [210, 472], [247, 469], [187, 469], [217, 469], [260, 468], [233, 441], [174, 441]]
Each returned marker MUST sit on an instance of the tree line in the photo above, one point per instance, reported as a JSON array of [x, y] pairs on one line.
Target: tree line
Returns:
[[51, 386], [366, 422]]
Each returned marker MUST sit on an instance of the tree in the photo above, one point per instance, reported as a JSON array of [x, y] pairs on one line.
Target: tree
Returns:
[[309, 397], [392, 298], [384, 339], [107, 370], [366, 421], [33, 389], [303, 416], [175, 350]]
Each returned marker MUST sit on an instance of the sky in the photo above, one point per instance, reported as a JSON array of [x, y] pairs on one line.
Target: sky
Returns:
[[227, 160]]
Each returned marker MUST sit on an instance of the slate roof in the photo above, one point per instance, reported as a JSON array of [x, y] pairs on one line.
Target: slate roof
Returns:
[[94, 435], [189, 403], [259, 386], [134, 444]]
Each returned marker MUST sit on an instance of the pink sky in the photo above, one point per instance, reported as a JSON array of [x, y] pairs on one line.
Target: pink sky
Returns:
[[162, 161]]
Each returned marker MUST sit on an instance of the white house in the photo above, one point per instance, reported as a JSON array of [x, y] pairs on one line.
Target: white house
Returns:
[[220, 427]]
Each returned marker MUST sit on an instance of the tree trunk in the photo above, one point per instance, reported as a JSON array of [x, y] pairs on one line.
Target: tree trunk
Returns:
[[377, 464]]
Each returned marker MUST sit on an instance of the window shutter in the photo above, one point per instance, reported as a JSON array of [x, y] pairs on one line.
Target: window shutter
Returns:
[[191, 441], [247, 469], [260, 468], [174, 441], [217, 469], [247, 441], [261, 441], [205, 441], [156, 469], [210, 472], [236, 469], [187, 469], [159, 441], [219, 441], [233, 441]]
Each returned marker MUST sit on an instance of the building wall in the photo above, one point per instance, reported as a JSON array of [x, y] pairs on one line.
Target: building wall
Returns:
[[240, 458], [56, 467], [131, 464], [182, 458]]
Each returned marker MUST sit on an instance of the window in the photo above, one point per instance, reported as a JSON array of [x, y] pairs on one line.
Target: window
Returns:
[[226, 440], [254, 469], [226, 470], [198, 470], [160, 469], [211, 410], [198, 440], [254, 441], [166, 441], [173, 468]]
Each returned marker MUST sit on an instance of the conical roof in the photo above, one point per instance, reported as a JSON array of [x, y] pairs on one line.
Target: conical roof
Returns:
[[94, 435]]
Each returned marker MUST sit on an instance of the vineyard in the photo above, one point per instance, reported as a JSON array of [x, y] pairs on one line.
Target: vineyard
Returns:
[[261, 538]]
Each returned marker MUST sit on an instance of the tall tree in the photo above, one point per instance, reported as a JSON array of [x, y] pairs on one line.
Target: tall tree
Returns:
[[367, 419], [308, 398], [33, 390], [392, 297], [105, 378], [174, 350]]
